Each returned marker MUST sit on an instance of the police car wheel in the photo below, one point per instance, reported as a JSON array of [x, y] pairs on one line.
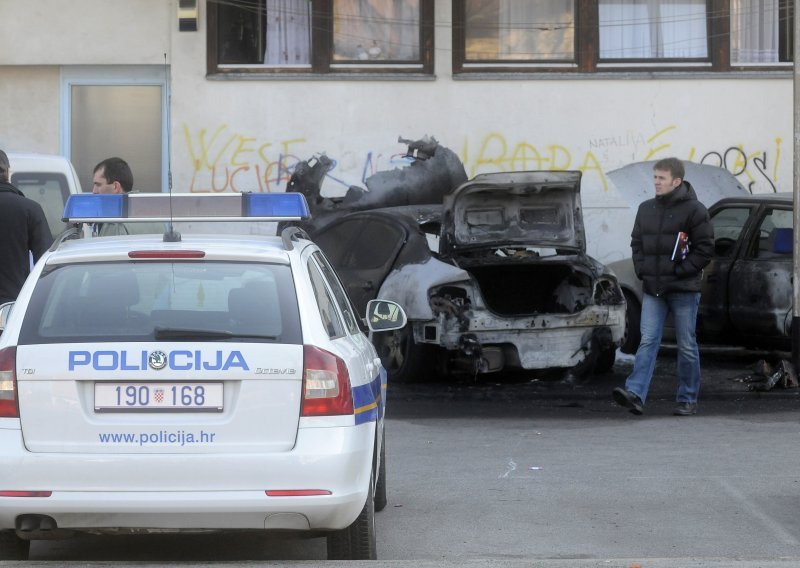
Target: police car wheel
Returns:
[[357, 542], [380, 486], [405, 360], [12, 547]]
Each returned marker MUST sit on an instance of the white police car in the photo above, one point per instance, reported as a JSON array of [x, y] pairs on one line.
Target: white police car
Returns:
[[159, 383]]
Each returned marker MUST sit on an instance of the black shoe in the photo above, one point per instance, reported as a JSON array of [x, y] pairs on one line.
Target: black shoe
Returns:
[[685, 409], [629, 400]]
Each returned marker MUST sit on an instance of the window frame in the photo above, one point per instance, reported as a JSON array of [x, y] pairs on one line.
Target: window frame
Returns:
[[322, 62], [587, 49]]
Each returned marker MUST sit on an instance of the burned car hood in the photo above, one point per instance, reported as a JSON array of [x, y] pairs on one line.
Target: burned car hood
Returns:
[[534, 208]]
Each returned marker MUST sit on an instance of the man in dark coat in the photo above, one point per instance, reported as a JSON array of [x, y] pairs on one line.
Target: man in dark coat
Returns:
[[672, 241], [23, 228]]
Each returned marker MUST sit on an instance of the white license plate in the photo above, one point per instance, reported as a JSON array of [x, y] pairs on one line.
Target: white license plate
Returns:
[[158, 397]]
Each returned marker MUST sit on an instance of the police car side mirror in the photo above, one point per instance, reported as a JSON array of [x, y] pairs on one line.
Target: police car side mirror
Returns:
[[383, 315], [5, 311]]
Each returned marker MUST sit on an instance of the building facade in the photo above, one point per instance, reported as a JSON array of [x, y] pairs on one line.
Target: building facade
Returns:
[[228, 95]]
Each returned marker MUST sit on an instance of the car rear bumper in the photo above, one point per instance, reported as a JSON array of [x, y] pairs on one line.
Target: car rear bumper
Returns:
[[540, 342], [193, 491]]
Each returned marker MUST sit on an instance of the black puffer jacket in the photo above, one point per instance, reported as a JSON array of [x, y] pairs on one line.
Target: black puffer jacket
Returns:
[[658, 222], [23, 228]]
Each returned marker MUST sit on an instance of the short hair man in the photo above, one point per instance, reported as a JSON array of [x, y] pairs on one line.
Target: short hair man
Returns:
[[112, 175], [671, 242], [23, 231]]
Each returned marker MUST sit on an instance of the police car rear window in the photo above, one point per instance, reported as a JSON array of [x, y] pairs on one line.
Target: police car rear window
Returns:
[[163, 301]]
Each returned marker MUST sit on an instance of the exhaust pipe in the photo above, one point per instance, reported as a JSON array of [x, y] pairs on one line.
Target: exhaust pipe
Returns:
[[30, 523]]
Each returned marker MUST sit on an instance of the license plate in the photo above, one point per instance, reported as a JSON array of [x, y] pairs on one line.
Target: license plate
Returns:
[[158, 397]]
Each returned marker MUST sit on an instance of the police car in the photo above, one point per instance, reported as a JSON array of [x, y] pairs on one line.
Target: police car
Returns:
[[158, 383]]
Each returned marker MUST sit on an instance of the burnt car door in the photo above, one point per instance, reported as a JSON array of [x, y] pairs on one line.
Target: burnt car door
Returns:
[[760, 282], [729, 222], [362, 249]]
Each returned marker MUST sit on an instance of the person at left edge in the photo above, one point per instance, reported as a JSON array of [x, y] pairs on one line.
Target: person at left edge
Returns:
[[23, 231]]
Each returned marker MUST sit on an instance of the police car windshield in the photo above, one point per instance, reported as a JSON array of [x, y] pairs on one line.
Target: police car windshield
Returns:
[[158, 300]]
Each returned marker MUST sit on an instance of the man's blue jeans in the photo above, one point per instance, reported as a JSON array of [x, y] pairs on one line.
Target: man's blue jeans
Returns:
[[655, 309]]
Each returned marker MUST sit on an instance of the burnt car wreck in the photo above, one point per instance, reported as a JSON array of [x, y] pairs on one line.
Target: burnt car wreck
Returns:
[[492, 272]]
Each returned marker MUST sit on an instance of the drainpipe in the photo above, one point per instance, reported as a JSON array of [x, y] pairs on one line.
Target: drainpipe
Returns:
[[796, 193]]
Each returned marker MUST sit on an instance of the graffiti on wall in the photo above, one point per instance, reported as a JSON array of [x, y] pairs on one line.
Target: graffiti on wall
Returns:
[[224, 160], [228, 161]]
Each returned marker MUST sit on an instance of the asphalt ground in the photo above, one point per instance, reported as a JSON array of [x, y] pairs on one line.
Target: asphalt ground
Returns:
[[726, 373]]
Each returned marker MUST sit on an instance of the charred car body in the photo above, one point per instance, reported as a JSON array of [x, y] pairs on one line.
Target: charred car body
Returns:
[[746, 297], [494, 276]]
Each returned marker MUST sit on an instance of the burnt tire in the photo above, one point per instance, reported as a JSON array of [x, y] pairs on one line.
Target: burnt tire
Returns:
[[380, 486], [358, 541], [405, 360], [12, 547], [605, 360], [633, 318]]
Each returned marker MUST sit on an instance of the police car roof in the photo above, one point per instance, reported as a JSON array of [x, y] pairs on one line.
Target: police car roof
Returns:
[[215, 247]]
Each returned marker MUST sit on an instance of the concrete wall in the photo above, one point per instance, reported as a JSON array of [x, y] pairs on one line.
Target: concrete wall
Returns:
[[246, 134], [79, 32]]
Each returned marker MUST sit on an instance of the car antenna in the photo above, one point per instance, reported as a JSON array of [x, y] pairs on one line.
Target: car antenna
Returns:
[[170, 236]]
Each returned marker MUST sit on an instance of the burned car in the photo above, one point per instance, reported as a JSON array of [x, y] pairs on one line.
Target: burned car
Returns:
[[746, 294], [493, 277]]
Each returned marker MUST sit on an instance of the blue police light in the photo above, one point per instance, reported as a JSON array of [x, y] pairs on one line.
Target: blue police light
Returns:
[[89, 207], [278, 205], [146, 207]]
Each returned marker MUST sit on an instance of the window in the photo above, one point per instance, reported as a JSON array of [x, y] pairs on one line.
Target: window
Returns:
[[774, 239], [327, 307], [761, 31], [620, 35], [338, 292], [320, 36], [728, 224], [152, 301], [653, 29], [50, 190]]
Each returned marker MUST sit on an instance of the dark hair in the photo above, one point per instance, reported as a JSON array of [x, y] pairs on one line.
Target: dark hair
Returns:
[[116, 169], [672, 165]]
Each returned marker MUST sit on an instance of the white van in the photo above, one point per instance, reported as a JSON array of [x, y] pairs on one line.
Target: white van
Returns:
[[48, 179]]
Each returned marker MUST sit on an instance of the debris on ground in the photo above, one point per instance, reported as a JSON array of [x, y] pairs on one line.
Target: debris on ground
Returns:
[[766, 376]]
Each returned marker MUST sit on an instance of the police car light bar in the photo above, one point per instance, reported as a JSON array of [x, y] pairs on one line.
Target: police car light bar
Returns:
[[149, 207]]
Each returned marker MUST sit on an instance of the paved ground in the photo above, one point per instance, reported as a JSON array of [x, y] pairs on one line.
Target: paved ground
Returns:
[[724, 375]]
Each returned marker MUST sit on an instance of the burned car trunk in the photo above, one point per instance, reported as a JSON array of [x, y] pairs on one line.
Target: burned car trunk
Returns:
[[533, 289], [494, 276]]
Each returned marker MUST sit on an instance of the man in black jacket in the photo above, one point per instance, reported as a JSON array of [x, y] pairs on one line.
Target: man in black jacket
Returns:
[[672, 241], [23, 228]]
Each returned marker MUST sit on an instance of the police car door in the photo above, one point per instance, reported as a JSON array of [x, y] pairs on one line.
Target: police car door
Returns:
[[343, 331], [372, 363]]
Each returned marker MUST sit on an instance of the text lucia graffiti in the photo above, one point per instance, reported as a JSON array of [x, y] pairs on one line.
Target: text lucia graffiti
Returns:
[[179, 360]]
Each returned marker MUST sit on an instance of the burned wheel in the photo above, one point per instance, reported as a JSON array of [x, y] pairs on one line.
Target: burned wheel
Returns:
[[605, 360], [404, 359], [633, 314]]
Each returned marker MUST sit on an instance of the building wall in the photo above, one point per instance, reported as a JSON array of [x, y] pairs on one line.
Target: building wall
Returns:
[[81, 32], [245, 135]]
